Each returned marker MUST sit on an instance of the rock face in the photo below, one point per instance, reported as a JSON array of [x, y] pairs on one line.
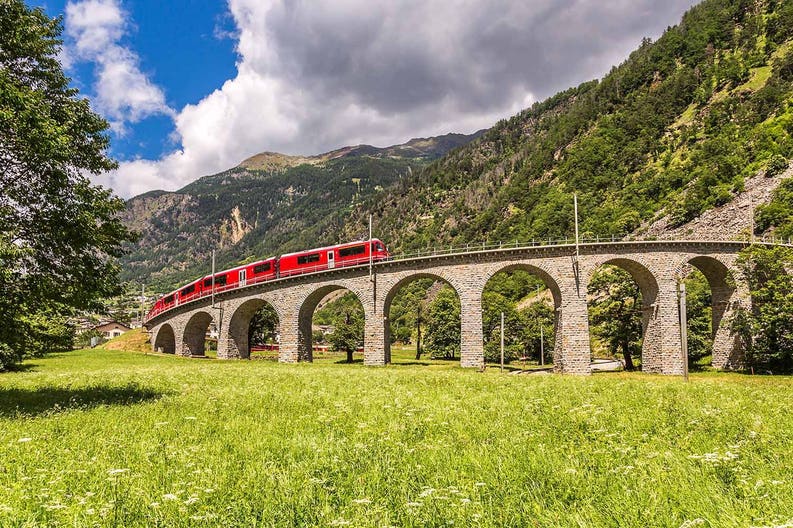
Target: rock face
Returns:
[[731, 221]]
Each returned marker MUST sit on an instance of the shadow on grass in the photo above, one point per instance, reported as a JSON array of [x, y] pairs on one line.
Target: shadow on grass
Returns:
[[411, 363], [49, 400]]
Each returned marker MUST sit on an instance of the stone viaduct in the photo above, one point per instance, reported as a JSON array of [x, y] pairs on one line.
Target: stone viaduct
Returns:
[[656, 266]]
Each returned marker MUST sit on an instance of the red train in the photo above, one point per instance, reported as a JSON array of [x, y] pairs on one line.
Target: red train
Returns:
[[312, 260]]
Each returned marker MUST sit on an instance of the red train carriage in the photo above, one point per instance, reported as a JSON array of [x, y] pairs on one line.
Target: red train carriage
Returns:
[[252, 273], [350, 254], [190, 292]]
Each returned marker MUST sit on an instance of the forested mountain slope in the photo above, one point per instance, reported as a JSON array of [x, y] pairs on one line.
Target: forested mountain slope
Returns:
[[674, 131], [685, 125]]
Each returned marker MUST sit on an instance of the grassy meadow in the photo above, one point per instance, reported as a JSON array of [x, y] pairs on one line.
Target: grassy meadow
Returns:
[[118, 438]]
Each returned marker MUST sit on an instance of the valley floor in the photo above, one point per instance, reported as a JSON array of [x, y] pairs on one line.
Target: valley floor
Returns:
[[114, 438]]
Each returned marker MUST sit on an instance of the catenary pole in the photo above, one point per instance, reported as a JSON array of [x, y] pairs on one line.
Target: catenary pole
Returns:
[[213, 278], [371, 259], [542, 337], [575, 209]]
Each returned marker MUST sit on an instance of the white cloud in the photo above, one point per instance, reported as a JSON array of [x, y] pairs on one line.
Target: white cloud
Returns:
[[313, 76], [124, 94]]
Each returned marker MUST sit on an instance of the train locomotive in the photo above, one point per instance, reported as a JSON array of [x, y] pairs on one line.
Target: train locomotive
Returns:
[[309, 261]]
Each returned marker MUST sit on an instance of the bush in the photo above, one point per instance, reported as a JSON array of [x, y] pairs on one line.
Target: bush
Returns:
[[8, 357], [777, 165]]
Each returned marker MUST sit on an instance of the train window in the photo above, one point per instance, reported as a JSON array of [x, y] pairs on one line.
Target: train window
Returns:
[[379, 246], [353, 250], [306, 259], [188, 290], [261, 268], [167, 300], [207, 282], [220, 280]]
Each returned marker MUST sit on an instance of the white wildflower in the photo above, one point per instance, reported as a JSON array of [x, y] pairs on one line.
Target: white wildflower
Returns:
[[26, 439], [361, 501]]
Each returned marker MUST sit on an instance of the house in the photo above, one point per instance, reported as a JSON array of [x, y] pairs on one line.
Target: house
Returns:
[[111, 329]]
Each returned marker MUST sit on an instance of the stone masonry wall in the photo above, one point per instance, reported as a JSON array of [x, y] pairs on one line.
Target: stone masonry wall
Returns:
[[657, 268]]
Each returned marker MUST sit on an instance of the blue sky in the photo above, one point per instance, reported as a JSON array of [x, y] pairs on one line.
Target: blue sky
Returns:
[[194, 87], [186, 47]]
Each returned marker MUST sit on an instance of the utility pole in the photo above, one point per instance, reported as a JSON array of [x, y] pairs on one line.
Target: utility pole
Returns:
[[683, 328], [142, 302], [502, 342], [371, 259], [542, 337], [418, 332]]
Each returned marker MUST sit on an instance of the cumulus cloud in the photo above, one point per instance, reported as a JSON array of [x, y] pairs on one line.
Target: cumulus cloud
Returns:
[[313, 76], [124, 94]]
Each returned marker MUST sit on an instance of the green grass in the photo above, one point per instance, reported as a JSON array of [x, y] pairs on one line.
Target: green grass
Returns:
[[110, 438]]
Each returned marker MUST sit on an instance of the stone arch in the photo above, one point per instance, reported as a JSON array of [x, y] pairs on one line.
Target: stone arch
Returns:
[[239, 327], [648, 286], [389, 298], [552, 284], [194, 337], [727, 350], [165, 339], [305, 351]]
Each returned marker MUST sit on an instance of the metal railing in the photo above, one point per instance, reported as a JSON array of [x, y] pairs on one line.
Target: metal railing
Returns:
[[457, 250]]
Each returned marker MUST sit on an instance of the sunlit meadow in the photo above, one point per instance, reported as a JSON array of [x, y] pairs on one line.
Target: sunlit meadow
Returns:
[[114, 438]]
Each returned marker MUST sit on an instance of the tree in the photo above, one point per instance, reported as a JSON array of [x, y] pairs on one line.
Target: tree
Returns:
[[767, 329], [59, 235], [699, 317], [443, 325], [347, 333], [615, 312], [263, 326]]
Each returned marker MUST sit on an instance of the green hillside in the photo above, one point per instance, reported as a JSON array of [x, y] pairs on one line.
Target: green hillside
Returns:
[[675, 130]]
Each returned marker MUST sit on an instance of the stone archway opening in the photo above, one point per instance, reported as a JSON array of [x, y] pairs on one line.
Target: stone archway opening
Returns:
[[621, 299], [331, 325], [423, 320], [165, 340], [254, 331], [200, 335], [709, 289], [530, 300]]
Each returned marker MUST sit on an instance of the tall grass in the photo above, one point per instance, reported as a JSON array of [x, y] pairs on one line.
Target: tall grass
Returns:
[[110, 438]]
